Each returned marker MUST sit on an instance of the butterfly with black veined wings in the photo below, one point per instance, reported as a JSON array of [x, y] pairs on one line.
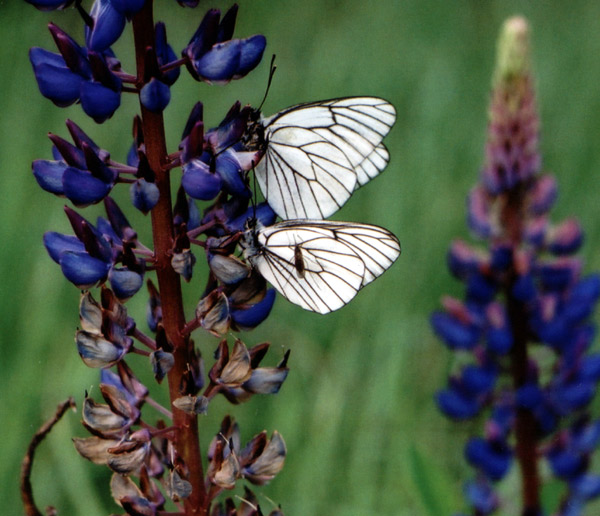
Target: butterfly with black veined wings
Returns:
[[316, 154], [319, 265]]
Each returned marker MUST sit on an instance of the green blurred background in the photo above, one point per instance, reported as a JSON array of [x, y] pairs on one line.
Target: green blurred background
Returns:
[[356, 411]]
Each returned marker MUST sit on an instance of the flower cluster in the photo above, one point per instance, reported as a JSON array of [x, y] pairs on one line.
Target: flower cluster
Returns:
[[524, 323], [108, 254]]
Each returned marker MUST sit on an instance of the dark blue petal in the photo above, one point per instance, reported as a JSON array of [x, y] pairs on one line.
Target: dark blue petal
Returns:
[[255, 314], [590, 368], [82, 188], [98, 101], [499, 340], [49, 5], [478, 380], [524, 289], [230, 170], [199, 182], [456, 405], [57, 244], [493, 459], [125, 283], [128, 7], [165, 54], [49, 175], [155, 95], [565, 465], [55, 81], [263, 213], [108, 26], [556, 276], [144, 195], [106, 230], [454, 333], [194, 217], [502, 257], [83, 270], [480, 289], [220, 63], [529, 396], [252, 50]]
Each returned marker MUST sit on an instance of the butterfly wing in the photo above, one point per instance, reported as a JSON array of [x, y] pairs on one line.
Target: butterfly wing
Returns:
[[318, 153], [338, 259]]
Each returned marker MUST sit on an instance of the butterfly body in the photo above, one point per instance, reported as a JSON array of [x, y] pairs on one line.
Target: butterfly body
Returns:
[[316, 264]]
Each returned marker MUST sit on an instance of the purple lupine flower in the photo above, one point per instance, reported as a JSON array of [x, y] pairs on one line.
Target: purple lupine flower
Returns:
[[524, 291]]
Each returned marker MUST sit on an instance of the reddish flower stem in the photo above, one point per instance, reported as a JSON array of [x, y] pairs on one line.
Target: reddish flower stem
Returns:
[[173, 319], [525, 425]]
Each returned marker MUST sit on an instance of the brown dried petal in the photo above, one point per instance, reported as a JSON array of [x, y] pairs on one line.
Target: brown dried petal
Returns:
[[177, 488], [183, 263], [122, 486], [237, 370], [250, 291], [94, 448], [118, 402], [192, 404], [102, 419], [162, 362], [214, 317], [96, 351], [269, 463], [90, 314], [266, 380], [127, 458], [227, 473], [228, 269]]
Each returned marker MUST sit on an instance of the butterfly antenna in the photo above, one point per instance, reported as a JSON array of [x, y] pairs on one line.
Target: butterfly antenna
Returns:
[[272, 69]]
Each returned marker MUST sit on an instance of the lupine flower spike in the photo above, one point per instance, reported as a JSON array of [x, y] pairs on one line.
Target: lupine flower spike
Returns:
[[107, 260], [524, 321]]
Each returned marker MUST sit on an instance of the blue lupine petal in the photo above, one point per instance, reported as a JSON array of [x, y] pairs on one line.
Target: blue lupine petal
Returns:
[[252, 50], [57, 244], [49, 5], [220, 63], [155, 95], [108, 26], [106, 230], [255, 314], [55, 81], [480, 288], [572, 396], [228, 167], [49, 175], [165, 54], [82, 188], [499, 340], [566, 238], [590, 368], [524, 289], [199, 182], [478, 380], [128, 7], [456, 334], [493, 460], [529, 396], [125, 283], [144, 195], [83, 270], [457, 405], [556, 276], [98, 101], [586, 486], [585, 437], [566, 465], [481, 496]]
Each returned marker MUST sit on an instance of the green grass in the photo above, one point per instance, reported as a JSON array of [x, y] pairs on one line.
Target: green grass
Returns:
[[356, 412]]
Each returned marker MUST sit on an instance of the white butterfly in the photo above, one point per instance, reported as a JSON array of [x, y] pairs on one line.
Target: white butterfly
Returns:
[[319, 265], [318, 153]]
